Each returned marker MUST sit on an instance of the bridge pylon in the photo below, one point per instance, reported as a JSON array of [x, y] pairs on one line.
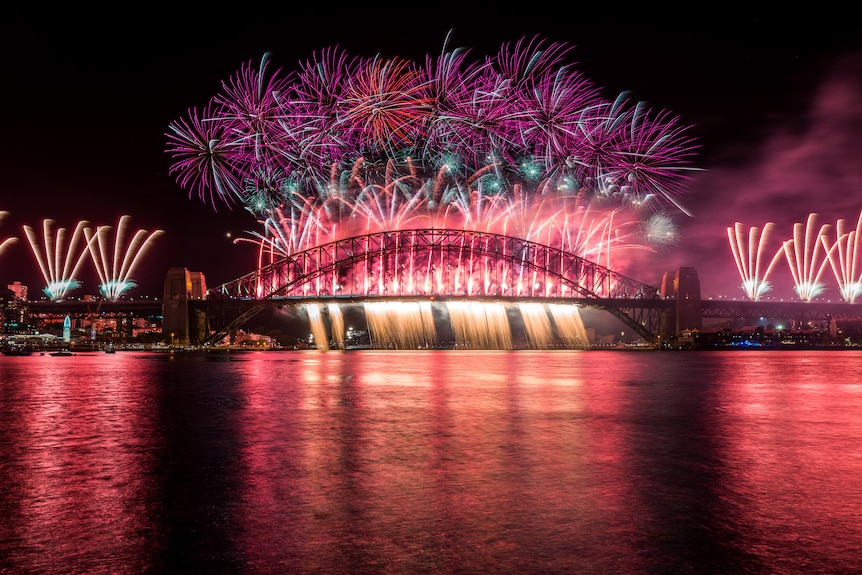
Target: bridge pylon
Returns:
[[182, 324], [686, 313]]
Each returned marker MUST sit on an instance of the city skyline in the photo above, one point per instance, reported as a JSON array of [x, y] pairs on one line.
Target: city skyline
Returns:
[[780, 152]]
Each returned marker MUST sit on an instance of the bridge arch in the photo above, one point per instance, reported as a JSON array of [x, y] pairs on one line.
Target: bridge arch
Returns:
[[435, 262]]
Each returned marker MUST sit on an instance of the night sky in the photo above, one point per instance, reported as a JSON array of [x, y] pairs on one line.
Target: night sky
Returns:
[[88, 98]]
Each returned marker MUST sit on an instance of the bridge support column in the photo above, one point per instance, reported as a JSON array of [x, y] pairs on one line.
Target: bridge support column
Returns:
[[682, 285], [181, 285]]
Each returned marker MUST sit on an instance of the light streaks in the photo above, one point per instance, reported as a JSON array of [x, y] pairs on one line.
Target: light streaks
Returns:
[[752, 259], [845, 258], [806, 257], [62, 256], [9, 240], [813, 248], [116, 261], [59, 255]]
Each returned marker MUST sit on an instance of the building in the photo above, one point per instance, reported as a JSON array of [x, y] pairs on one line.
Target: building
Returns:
[[19, 289]]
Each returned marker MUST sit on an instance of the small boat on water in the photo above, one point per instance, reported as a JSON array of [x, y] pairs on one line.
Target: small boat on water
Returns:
[[61, 353], [18, 351]]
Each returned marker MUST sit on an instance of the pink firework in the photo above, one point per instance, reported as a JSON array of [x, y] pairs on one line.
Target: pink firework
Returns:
[[347, 145], [752, 256], [6, 242], [845, 257], [806, 255], [59, 256], [115, 263]]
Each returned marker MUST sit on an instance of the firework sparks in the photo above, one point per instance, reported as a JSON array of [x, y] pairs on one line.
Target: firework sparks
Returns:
[[519, 144], [60, 258], [845, 258], [348, 145], [749, 253], [116, 264], [8, 241], [803, 253]]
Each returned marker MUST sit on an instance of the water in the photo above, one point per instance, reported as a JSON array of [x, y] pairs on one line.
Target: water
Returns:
[[371, 462]]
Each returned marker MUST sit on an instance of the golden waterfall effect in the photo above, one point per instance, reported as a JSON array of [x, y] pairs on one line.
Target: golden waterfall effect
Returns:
[[318, 329], [336, 318], [479, 325], [401, 325], [537, 324], [570, 326]]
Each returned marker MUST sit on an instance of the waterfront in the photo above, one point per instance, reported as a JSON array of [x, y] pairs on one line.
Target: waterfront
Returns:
[[432, 462]]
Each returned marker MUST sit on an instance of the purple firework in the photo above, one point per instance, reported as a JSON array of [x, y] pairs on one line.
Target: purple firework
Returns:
[[516, 143], [340, 123]]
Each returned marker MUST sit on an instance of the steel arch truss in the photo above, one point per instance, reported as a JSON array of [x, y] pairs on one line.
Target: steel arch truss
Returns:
[[447, 263]]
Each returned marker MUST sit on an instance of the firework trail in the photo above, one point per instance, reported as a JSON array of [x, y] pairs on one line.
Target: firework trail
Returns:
[[749, 253], [845, 257], [6, 242], [116, 264], [517, 143], [804, 252], [60, 258]]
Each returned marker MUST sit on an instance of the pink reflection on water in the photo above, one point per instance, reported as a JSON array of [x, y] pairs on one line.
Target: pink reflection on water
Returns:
[[376, 457], [793, 438], [425, 461], [79, 471]]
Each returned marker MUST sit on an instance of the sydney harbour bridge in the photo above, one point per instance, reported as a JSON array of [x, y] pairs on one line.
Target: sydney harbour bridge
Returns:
[[421, 268], [411, 272]]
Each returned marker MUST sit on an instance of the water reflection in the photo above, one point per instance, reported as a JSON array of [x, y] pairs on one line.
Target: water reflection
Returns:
[[78, 445], [431, 462], [793, 461]]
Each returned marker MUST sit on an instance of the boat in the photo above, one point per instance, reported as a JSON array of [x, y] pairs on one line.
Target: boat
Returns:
[[61, 353], [110, 350], [18, 351]]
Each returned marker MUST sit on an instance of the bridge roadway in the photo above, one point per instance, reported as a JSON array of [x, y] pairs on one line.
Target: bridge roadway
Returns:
[[223, 311], [636, 313], [78, 309]]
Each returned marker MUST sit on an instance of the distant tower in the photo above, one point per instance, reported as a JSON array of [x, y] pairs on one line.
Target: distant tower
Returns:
[[67, 330]]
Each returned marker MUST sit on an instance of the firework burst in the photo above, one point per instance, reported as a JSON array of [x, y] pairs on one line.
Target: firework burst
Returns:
[[845, 257], [519, 142], [806, 255], [116, 264], [59, 256], [8, 241], [750, 254]]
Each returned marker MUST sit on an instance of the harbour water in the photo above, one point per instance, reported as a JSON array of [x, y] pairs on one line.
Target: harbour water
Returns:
[[413, 462]]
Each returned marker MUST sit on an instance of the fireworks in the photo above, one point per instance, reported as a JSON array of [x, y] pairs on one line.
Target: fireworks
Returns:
[[809, 252], [116, 264], [6, 242], [806, 257], [519, 143], [845, 258], [750, 257], [61, 258]]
